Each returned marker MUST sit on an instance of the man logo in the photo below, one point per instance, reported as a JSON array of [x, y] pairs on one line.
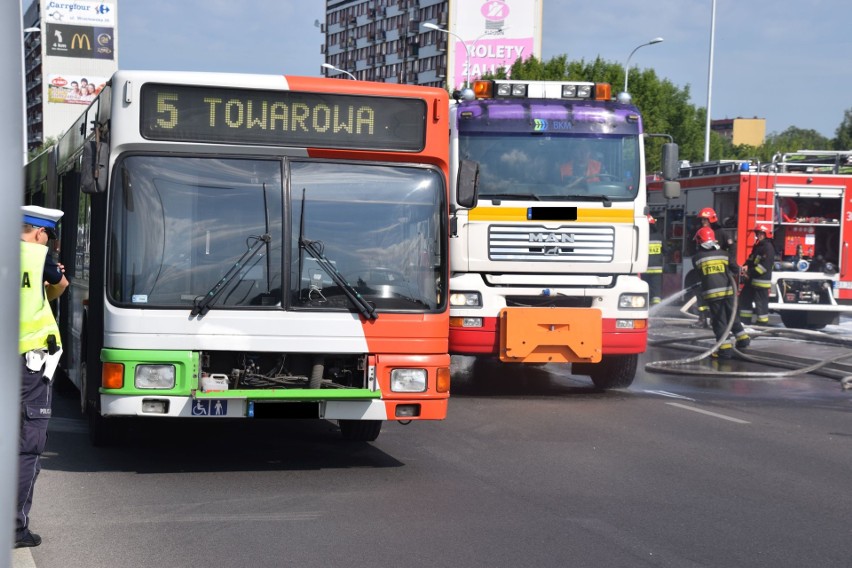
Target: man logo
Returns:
[[81, 39]]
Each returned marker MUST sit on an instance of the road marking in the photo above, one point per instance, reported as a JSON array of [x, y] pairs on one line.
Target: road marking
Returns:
[[708, 413], [669, 394]]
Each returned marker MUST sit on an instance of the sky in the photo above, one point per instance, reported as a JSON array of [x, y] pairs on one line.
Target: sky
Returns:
[[783, 60]]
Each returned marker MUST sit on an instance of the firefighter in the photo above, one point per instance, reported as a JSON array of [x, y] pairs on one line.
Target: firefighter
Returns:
[[708, 218], [757, 273], [654, 275], [717, 292]]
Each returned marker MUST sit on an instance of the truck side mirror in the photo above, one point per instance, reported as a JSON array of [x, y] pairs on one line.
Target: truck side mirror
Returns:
[[467, 184], [671, 189], [671, 163]]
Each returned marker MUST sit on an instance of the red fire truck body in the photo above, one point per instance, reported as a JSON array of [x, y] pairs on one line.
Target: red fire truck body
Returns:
[[805, 196]]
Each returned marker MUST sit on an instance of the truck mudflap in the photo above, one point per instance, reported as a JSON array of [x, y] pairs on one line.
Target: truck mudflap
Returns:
[[545, 335]]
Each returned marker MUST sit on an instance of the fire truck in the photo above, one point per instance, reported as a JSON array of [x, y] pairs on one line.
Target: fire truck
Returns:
[[545, 266], [805, 196]]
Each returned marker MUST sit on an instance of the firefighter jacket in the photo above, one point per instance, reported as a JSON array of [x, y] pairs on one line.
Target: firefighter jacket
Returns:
[[655, 252], [36, 322], [712, 265], [759, 264]]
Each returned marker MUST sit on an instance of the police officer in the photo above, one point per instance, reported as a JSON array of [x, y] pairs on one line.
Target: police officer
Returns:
[[42, 280], [654, 275], [717, 291], [757, 272]]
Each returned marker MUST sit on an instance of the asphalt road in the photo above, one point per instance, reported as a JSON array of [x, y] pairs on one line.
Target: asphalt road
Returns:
[[532, 468]]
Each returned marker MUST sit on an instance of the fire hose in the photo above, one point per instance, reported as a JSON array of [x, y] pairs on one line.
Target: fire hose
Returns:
[[676, 366]]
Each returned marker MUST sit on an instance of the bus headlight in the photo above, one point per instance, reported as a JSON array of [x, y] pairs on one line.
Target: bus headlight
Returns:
[[154, 377], [466, 299], [633, 301], [408, 380]]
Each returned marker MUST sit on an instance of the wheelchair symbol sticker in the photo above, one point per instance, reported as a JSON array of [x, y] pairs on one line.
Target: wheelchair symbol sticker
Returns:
[[209, 407]]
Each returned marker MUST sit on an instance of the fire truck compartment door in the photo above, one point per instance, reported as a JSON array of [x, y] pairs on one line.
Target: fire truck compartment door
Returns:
[[550, 335]]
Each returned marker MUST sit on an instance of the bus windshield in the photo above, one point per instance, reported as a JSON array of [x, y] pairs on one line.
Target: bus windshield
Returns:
[[184, 230], [554, 167]]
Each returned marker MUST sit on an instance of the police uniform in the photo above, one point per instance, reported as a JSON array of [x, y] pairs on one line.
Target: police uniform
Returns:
[[718, 295], [39, 345]]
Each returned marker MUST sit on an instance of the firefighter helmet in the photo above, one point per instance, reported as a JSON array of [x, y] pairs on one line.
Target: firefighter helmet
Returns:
[[709, 214], [705, 235], [765, 228]]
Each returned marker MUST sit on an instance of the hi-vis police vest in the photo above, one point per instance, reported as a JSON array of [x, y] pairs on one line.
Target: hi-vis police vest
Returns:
[[36, 318]]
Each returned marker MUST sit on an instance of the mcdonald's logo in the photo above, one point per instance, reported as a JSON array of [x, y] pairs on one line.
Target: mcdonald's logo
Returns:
[[81, 39]]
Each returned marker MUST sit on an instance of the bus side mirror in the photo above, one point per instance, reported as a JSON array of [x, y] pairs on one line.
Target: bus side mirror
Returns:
[[467, 184], [93, 177], [671, 163]]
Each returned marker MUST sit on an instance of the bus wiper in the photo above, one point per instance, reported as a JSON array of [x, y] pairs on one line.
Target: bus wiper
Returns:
[[202, 306], [532, 196], [314, 248]]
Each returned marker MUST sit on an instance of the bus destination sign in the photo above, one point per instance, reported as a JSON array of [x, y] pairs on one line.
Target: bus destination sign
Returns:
[[282, 118]]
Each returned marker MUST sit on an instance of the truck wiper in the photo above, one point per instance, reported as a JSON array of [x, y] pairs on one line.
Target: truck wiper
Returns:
[[202, 306], [532, 196], [607, 202], [314, 248]]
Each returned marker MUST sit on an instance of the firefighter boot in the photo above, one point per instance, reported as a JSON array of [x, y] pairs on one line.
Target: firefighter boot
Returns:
[[743, 341]]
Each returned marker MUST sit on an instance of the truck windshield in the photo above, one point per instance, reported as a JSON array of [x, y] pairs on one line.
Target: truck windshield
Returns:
[[209, 234], [554, 167]]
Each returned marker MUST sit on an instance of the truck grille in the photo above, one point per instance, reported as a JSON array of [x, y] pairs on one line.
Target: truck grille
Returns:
[[575, 243]]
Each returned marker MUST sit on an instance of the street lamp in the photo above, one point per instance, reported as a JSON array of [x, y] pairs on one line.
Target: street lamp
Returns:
[[339, 70], [709, 82], [626, 95], [467, 92]]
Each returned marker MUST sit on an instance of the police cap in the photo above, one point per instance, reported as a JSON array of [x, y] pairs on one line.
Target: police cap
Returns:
[[38, 216]]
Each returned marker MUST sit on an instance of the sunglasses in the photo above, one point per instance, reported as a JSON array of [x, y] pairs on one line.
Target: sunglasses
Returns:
[[51, 233]]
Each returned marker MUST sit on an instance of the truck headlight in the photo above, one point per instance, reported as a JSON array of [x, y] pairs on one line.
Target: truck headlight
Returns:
[[633, 301], [154, 376], [408, 380], [466, 299]]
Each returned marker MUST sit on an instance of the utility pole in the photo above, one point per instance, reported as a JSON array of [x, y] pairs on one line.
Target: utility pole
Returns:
[[12, 128]]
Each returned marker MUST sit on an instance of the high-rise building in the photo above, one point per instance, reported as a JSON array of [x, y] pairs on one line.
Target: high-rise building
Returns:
[[385, 40], [70, 52]]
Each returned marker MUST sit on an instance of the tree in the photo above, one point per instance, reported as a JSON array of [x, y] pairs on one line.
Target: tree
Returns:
[[48, 142], [843, 140], [665, 107]]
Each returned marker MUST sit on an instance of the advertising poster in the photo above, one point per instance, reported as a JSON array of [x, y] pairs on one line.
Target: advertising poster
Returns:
[[72, 89], [82, 42], [490, 35]]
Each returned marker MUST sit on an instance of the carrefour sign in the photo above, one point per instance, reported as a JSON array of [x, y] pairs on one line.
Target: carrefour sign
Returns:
[[79, 13]]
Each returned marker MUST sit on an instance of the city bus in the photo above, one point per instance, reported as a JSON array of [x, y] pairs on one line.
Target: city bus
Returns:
[[251, 246]]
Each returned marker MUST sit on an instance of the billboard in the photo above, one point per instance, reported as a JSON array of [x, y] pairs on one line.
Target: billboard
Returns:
[[81, 42], [491, 34], [73, 89], [79, 13]]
